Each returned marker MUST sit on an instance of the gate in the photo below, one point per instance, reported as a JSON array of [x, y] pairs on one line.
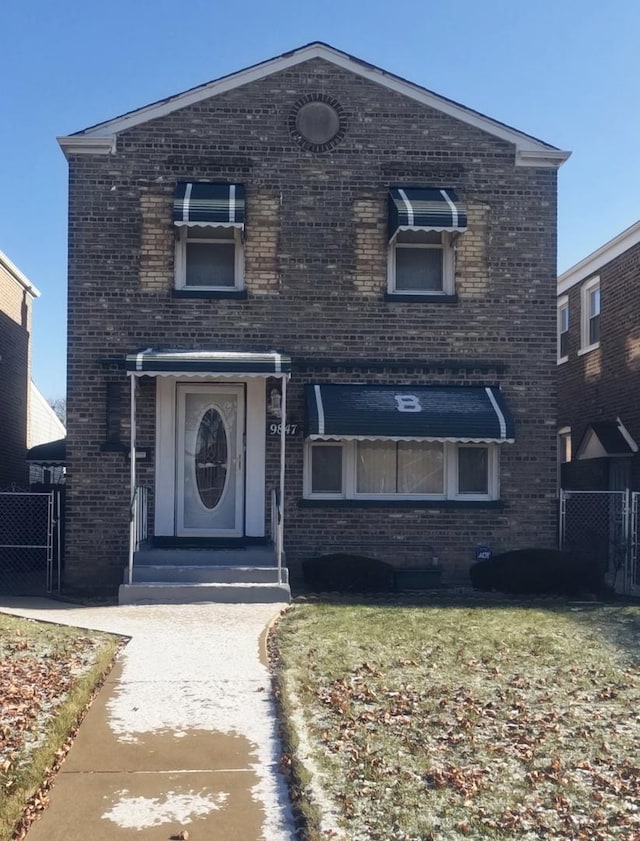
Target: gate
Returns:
[[604, 527], [30, 542]]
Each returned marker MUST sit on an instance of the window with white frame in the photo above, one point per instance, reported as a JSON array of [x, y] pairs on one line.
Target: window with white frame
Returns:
[[563, 329], [209, 258], [590, 315], [385, 469], [421, 263], [564, 444]]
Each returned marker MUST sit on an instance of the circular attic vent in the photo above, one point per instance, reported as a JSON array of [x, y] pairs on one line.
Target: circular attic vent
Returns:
[[317, 122]]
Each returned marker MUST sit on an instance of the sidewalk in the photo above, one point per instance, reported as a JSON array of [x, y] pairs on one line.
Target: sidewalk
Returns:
[[181, 737]]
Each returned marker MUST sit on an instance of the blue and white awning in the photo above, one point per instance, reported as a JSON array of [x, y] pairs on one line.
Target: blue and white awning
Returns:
[[207, 363], [473, 414], [218, 205], [425, 209]]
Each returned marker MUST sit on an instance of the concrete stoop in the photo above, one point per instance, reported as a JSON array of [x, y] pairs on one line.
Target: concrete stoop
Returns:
[[185, 576], [158, 592]]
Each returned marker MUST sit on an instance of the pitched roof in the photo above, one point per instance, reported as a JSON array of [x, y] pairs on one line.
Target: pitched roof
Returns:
[[100, 138], [599, 258]]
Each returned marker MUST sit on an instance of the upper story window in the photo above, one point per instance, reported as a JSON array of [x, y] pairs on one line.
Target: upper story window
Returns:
[[563, 329], [422, 225], [590, 315], [209, 220]]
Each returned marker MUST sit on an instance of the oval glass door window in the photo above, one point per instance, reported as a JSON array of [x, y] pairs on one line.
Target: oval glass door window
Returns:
[[212, 458]]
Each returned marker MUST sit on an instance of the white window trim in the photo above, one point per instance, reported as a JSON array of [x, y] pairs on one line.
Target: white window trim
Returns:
[[450, 490], [448, 266], [587, 288], [235, 236], [563, 303]]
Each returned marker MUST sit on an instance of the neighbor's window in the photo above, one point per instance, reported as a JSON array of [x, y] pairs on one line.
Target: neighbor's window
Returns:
[[563, 329], [590, 299], [384, 469], [209, 258], [564, 444], [421, 263]]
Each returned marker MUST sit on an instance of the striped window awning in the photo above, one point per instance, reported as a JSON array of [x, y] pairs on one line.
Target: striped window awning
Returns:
[[217, 205], [473, 414], [205, 363], [425, 209]]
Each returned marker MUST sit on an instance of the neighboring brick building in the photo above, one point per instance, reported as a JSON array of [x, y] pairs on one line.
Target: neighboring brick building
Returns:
[[317, 217], [599, 367], [16, 298]]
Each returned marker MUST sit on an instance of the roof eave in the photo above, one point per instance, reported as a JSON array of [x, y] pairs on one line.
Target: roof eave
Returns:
[[20, 278], [592, 263], [530, 151], [83, 144]]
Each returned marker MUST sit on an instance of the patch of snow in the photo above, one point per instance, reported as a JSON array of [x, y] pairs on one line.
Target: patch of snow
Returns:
[[144, 812]]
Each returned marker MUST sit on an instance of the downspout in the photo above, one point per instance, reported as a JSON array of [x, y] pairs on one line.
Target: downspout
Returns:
[[283, 438], [132, 467]]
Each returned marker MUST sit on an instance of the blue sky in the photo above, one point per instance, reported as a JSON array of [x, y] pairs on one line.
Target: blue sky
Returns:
[[566, 72]]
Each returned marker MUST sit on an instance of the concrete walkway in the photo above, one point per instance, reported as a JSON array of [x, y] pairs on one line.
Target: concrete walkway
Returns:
[[181, 737]]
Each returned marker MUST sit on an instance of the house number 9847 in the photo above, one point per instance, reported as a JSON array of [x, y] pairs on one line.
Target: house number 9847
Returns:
[[289, 429]]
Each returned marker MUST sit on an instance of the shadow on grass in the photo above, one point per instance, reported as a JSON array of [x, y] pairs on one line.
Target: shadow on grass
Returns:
[[616, 618]]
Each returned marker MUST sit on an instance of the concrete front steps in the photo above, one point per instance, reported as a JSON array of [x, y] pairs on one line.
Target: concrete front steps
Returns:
[[185, 576]]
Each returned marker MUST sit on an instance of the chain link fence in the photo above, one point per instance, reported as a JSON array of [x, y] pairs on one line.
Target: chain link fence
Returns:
[[30, 542], [599, 526]]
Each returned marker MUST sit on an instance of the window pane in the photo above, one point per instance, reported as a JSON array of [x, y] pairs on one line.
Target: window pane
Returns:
[[594, 329], [564, 344], [420, 467], [594, 302], [564, 319], [376, 467], [211, 264], [326, 469], [418, 269], [473, 470]]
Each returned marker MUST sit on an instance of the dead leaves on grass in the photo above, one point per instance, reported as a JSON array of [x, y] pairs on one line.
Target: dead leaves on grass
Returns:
[[460, 743]]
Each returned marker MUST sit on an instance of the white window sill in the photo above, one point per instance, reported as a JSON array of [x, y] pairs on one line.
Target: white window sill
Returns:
[[562, 360], [588, 349]]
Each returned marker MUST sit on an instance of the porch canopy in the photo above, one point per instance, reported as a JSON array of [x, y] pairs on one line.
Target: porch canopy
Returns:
[[207, 363], [215, 205], [473, 414], [425, 209]]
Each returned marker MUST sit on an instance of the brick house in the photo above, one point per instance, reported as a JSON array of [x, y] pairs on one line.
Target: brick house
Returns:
[[599, 367], [16, 298], [312, 281]]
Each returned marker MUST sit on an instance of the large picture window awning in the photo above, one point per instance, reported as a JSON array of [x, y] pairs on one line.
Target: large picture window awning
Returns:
[[425, 209], [215, 205], [198, 363], [474, 414]]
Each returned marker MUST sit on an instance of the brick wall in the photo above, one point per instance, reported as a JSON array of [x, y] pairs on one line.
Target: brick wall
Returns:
[[15, 332], [604, 383], [316, 253]]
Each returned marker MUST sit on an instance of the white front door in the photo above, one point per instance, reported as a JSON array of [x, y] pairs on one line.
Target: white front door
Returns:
[[209, 460]]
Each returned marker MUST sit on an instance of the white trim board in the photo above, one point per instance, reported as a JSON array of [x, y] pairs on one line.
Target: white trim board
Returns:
[[593, 262], [529, 150]]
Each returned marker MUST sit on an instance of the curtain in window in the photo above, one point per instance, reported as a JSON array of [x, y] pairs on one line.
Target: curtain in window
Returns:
[[404, 467], [376, 467], [420, 467]]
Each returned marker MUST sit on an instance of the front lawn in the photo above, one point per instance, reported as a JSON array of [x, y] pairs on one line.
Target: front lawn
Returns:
[[48, 674], [478, 721]]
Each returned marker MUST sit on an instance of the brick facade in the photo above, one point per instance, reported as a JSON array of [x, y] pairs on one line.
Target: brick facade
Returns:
[[601, 385], [316, 275], [16, 298]]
